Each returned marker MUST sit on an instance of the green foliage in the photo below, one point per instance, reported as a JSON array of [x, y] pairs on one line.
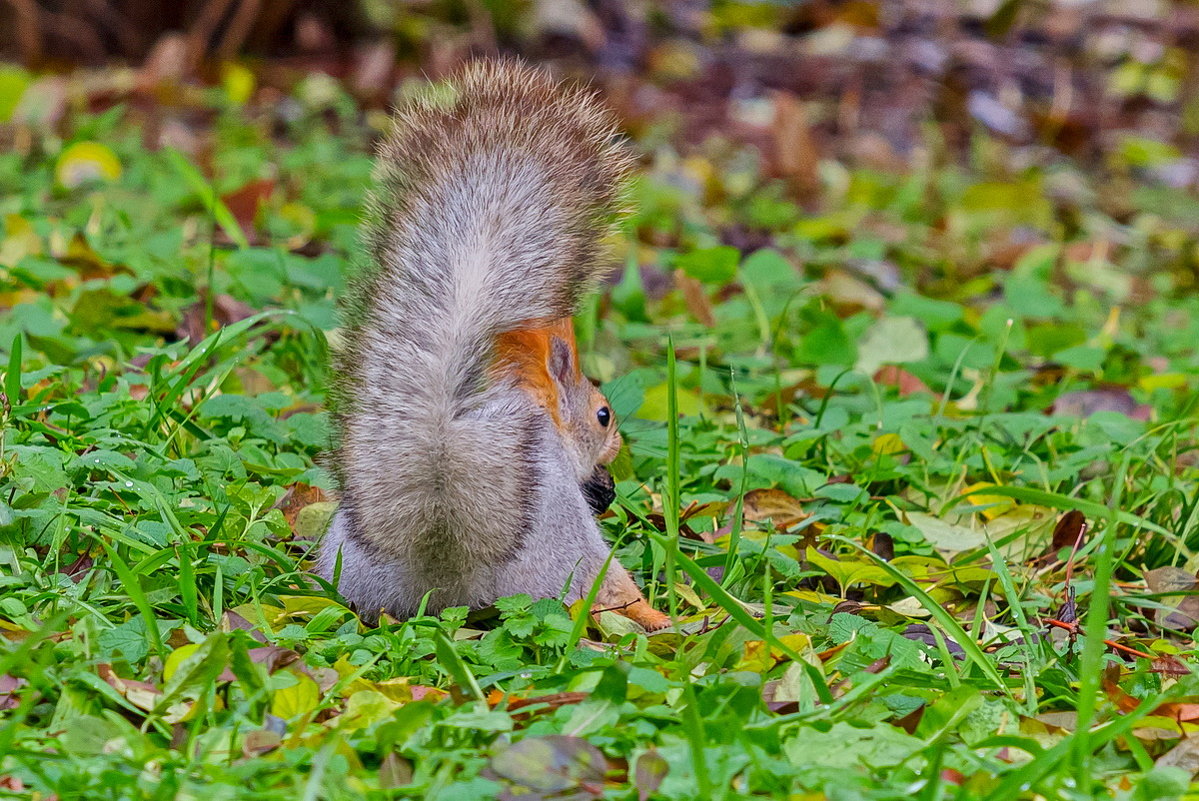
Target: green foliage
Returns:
[[847, 454]]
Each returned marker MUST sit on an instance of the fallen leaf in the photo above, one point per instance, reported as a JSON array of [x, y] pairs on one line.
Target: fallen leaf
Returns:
[[1185, 755], [86, 162], [8, 691], [946, 537], [1068, 532], [244, 202], [696, 298], [892, 375], [550, 765], [648, 772], [298, 699], [774, 505], [259, 742], [552, 701], [226, 310], [296, 498], [141, 694], [796, 157], [1086, 402], [1180, 588], [394, 771]]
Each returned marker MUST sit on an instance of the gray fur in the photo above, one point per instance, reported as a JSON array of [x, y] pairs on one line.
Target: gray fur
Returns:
[[561, 554], [492, 196]]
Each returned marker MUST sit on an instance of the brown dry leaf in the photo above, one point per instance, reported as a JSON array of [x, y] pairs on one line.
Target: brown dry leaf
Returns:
[[273, 657], [1185, 755], [394, 771], [890, 375], [77, 252], [1086, 251], [231, 620], [796, 156], [1169, 666], [849, 294], [422, 691], [713, 509], [141, 694], [245, 202], [1183, 712], [259, 742], [226, 310], [296, 498], [1066, 720], [774, 505], [1180, 588], [1067, 533], [8, 691], [695, 297], [78, 569], [1086, 402]]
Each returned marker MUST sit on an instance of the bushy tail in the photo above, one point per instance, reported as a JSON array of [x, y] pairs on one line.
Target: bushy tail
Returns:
[[493, 193]]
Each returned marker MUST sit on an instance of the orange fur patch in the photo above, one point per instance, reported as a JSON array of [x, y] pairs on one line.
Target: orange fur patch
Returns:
[[524, 355]]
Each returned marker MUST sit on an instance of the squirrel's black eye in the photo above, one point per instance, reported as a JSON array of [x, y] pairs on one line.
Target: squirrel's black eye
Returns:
[[604, 415]]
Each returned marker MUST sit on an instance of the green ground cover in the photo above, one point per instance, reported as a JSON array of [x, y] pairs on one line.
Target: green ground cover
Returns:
[[918, 419]]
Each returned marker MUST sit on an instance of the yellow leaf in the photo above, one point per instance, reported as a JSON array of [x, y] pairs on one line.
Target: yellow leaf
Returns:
[[261, 615], [364, 708], [888, 443], [995, 504], [176, 659], [304, 606], [238, 83], [1162, 381], [84, 162], [796, 641], [298, 699], [344, 668], [396, 690], [20, 240], [655, 406], [756, 657], [688, 594]]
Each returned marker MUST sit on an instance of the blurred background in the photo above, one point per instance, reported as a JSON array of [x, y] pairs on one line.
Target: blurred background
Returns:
[[796, 80]]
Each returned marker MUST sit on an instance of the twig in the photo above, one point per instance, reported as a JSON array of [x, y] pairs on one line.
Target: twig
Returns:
[[1075, 629]]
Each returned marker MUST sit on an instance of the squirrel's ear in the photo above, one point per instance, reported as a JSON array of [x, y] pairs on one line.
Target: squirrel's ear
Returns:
[[561, 361]]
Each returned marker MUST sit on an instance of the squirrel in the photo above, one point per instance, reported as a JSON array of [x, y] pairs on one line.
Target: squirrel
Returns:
[[470, 448]]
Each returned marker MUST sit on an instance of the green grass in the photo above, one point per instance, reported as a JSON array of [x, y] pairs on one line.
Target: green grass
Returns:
[[886, 639]]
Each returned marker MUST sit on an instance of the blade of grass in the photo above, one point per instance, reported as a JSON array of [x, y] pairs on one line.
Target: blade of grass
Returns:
[[457, 668], [1055, 500], [208, 196], [693, 725], [973, 652], [1012, 595], [671, 497], [12, 378], [1095, 628], [580, 621], [734, 609], [739, 508], [132, 585]]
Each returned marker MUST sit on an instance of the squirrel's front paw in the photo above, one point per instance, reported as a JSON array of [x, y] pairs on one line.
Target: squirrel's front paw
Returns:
[[646, 616]]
